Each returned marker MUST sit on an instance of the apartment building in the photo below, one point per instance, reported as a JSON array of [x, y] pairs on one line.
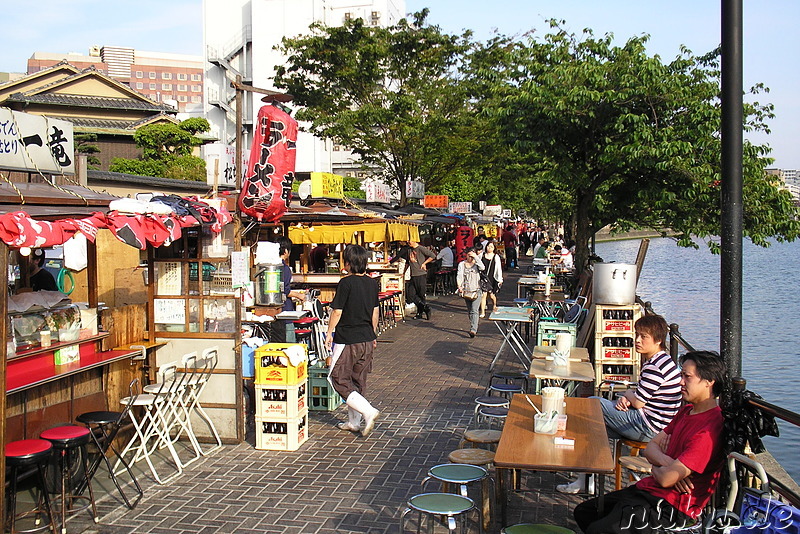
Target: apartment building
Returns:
[[175, 79]]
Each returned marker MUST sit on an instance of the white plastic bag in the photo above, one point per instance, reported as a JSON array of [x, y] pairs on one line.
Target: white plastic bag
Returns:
[[75, 257]]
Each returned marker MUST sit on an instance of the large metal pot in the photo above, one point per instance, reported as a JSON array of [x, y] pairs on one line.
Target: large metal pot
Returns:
[[269, 285], [614, 283]]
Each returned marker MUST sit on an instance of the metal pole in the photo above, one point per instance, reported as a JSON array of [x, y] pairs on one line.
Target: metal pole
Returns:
[[731, 200], [239, 138]]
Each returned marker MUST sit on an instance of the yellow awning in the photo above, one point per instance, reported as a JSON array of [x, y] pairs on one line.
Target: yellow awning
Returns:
[[335, 233]]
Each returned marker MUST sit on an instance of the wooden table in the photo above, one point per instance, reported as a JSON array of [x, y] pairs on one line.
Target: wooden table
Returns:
[[521, 448], [575, 354], [567, 377]]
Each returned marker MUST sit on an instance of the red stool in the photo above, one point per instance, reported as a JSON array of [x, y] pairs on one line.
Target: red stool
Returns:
[[21, 455], [305, 332], [70, 442]]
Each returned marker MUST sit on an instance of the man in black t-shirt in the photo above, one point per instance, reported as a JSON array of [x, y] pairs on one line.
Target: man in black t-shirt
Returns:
[[39, 277], [352, 338]]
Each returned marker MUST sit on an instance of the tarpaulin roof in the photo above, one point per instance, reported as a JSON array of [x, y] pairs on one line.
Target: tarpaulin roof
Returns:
[[335, 233]]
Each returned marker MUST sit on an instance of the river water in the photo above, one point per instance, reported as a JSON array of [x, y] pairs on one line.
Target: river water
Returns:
[[683, 286]]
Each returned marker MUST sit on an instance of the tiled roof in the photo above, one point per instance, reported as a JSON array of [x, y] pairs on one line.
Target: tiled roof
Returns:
[[95, 102]]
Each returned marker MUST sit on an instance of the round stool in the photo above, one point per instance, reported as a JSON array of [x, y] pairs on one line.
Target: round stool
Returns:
[[531, 528], [471, 457], [455, 507], [463, 475], [506, 389], [637, 465], [493, 414], [509, 376], [21, 455], [635, 447], [70, 443], [488, 401], [481, 436]]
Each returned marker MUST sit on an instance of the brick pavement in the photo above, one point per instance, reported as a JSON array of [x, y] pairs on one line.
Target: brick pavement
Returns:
[[425, 377]]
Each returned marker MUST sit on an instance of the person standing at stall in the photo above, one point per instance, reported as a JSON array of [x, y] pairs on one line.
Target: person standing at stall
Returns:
[[352, 339], [40, 278], [493, 270], [283, 331], [419, 258], [468, 281]]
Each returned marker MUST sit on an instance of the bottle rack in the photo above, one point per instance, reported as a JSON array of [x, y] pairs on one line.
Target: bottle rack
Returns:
[[615, 357]]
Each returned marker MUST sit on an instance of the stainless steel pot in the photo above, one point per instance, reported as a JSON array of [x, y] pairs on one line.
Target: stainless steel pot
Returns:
[[614, 283]]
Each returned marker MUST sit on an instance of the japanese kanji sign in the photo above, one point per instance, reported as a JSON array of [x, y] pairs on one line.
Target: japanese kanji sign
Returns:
[[34, 143]]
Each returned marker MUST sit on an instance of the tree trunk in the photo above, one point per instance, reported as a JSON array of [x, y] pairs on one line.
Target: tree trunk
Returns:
[[583, 230]]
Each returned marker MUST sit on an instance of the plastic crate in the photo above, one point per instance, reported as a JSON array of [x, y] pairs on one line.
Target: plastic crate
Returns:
[[281, 435], [616, 319], [285, 402], [268, 373], [321, 395], [547, 331], [613, 346]]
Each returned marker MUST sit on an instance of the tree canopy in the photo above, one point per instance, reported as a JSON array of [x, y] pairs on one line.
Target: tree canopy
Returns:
[[167, 151], [391, 95]]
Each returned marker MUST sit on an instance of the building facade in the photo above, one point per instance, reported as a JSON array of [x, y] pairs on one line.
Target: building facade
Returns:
[[240, 37], [175, 79]]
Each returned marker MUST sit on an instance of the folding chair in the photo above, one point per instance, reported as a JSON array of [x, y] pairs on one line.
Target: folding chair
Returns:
[[204, 366]]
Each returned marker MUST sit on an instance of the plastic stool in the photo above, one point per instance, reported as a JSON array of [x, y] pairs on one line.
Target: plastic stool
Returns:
[[532, 528], [462, 475], [21, 455], [69, 441], [455, 507]]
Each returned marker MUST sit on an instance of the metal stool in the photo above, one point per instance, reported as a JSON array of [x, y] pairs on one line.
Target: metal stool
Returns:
[[635, 447], [510, 376], [462, 475], [481, 436], [492, 414], [531, 528], [507, 390], [21, 455], [488, 401], [479, 457], [70, 442], [455, 507], [104, 427]]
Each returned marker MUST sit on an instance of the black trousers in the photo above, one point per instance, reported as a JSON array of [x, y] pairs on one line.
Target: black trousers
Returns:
[[415, 292], [628, 511]]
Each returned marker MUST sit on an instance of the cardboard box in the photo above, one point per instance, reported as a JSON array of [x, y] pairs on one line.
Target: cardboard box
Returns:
[[281, 435], [67, 355]]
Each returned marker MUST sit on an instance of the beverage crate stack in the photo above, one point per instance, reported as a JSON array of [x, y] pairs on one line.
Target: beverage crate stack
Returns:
[[615, 357], [322, 396], [547, 331], [281, 398]]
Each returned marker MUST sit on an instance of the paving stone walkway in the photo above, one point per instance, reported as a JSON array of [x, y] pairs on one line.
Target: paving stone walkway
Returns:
[[425, 377]]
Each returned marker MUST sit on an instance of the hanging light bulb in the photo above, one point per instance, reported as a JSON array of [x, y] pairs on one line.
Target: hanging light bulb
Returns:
[[25, 251]]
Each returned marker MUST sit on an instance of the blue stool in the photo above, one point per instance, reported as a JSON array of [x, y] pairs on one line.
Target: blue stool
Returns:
[[454, 507]]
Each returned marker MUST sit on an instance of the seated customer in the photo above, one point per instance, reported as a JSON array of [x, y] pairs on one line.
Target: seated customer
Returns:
[[687, 457], [639, 414]]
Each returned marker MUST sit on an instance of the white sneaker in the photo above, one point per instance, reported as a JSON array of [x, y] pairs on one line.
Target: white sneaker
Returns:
[[347, 426], [482, 315], [576, 486]]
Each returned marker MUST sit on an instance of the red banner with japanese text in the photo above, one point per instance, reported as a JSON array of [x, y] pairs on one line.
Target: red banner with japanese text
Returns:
[[267, 186]]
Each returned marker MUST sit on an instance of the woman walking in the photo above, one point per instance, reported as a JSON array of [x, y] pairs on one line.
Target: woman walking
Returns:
[[354, 319], [469, 286], [494, 273]]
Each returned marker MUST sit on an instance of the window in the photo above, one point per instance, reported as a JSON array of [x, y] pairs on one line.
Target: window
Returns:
[[196, 77], [152, 87], [151, 75], [182, 87], [166, 75], [166, 86], [139, 74], [183, 98], [182, 76], [197, 88], [196, 99], [139, 85]]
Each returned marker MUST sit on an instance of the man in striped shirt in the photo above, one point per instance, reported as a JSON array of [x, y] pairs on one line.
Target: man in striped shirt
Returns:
[[641, 413]]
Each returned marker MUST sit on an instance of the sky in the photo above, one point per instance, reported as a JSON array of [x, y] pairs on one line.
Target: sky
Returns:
[[771, 39]]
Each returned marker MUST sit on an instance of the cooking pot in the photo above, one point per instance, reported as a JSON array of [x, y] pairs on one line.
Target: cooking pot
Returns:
[[269, 285], [614, 283]]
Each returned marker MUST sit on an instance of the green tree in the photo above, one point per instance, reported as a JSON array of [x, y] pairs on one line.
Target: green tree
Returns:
[[391, 95], [85, 144], [167, 151], [623, 138]]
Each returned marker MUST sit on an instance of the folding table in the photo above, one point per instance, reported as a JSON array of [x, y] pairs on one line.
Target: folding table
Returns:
[[507, 319]]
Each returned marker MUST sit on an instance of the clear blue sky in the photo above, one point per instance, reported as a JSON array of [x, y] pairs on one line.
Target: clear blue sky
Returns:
[[771, 39]]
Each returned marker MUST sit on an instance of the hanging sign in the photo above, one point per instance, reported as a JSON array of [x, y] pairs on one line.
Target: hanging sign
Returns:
[[506, 214], [460, 207], [436, 201], [378, 193], [493, 210], [415, 189], [220, 159], [267, 187], [326, 185], [35, 143]]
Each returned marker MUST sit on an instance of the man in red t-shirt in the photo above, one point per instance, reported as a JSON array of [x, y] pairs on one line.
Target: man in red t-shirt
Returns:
[[687, 457]]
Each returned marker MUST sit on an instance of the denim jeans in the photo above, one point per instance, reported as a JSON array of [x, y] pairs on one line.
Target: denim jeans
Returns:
[[628, 425], [472, 308]]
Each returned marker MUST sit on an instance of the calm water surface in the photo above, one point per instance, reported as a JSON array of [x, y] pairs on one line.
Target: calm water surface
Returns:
[[683, 285]]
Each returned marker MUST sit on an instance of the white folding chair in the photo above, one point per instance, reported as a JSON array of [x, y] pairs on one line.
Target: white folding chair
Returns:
[[204, 368], [150, 428]]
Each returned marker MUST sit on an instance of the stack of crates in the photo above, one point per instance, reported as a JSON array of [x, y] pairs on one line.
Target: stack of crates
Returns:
[[322, 396], [281, 399], [547, 330], [615, 357]]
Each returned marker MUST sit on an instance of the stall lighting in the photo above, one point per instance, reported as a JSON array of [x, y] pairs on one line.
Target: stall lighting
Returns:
[[25, 251]]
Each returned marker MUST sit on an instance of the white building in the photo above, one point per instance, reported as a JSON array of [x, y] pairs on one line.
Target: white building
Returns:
[[239, 38]]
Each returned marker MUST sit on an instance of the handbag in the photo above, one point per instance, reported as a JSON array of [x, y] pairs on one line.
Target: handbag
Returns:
[[485, 283], [470, 295]]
